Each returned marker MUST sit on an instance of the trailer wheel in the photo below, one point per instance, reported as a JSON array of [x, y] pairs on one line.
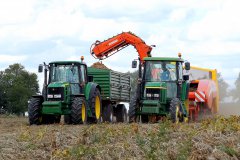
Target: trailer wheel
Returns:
[[96, 105], [78, 111], [175, 111], [133, 117], [121, 113], [108, 113], [34, 111]]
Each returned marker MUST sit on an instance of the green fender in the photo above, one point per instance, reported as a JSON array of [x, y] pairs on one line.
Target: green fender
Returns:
[[89, 90]]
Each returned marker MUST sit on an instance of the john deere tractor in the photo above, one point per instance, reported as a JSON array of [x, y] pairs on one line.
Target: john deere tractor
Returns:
[[162, 90], [67, 91]]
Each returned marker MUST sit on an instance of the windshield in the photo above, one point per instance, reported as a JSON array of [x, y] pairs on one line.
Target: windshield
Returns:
[[160, 71], [64, 73]]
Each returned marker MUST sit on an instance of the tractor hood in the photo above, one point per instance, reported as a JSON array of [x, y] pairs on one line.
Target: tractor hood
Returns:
[[58, 84], [155, 91], [156, 85]]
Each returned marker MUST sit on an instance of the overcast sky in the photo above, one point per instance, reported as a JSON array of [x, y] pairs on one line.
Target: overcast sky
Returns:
[[206, 32]]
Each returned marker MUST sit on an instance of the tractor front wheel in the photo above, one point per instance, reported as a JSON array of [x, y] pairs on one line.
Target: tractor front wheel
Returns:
[[78, 111], [175, 111], [34, 111]]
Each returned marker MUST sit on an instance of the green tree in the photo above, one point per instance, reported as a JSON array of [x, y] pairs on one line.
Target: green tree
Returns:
[[17, 86], [133, 81], [236, 91], [223, 86]]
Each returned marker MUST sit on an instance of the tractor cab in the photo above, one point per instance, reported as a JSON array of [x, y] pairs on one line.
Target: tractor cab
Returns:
[[162, 82], [72, 74], [64, 78]]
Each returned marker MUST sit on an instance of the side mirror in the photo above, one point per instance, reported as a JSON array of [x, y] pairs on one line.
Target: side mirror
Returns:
[[134, 64], [40, 68], [187, 66], [185, 77], [90, 78]]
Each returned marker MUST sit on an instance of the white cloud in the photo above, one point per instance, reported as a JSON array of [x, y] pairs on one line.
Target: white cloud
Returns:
[[11, 59], [218, 24], [14, 12]]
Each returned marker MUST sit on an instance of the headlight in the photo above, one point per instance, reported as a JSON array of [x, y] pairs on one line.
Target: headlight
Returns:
[[156, 95], [148, 95], [49, 96], [57, 96]]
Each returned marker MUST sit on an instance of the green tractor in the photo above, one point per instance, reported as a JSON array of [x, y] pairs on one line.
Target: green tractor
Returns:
[[67, 91], [161, 92]]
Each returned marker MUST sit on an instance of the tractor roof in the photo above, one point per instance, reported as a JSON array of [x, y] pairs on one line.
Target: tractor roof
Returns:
[[163, 59], [65, 62]]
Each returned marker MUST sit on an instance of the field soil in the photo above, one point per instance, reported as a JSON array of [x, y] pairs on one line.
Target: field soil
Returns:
[[217, 138]]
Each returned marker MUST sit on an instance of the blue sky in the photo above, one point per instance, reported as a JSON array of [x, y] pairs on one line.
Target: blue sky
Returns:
[[205, 32]]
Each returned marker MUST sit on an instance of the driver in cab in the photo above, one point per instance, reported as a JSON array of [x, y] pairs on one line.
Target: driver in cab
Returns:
[[165, 75]]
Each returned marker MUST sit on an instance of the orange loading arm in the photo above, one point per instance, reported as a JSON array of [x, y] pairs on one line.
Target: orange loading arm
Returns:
[[102, 50]]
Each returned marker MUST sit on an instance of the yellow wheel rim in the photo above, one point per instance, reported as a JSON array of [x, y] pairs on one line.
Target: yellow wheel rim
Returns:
[[177, 113], [97, 107], [83, 112]]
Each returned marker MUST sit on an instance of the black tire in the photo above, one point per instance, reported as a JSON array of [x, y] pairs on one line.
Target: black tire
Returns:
[[34, 111], [77, 110], [132, 111], [108, 113], [120, 113], [96, 106], [175, 110]]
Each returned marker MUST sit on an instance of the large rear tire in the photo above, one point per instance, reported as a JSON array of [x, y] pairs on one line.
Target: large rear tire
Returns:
[[96, 105], [78, 111], [175, 111], [34, 111], [133, 117]]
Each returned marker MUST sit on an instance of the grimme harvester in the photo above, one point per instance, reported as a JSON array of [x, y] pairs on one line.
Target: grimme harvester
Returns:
[[203, 98], [163, 89]]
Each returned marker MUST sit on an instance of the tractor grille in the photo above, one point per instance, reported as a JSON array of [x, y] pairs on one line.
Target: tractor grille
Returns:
[[55, 94], [153, 93]]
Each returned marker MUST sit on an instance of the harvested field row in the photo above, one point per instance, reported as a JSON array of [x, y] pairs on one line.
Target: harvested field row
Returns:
[[218, 138]]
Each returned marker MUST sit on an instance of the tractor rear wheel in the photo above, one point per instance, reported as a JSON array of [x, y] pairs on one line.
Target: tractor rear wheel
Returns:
[[108, 113], [121, 113], [78, 111], [132, 111], [96, 105], [34, 111], [175, 111]]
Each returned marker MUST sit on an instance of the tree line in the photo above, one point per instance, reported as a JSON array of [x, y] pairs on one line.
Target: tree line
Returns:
[[17, 85]]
